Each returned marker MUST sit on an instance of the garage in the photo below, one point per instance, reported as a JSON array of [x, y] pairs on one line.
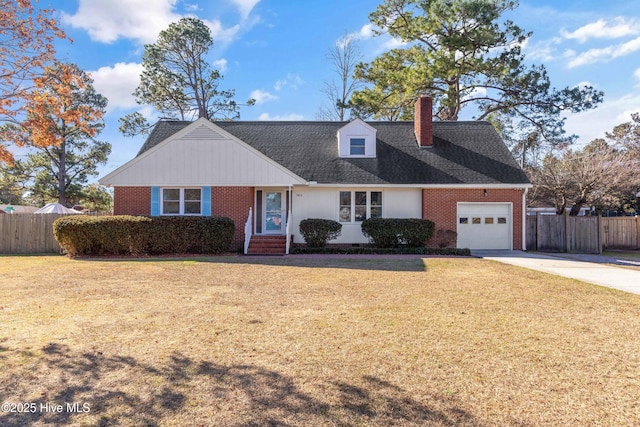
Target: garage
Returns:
[[485, 225]]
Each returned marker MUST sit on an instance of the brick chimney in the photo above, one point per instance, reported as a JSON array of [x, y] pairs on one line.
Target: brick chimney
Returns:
[[423, 121]]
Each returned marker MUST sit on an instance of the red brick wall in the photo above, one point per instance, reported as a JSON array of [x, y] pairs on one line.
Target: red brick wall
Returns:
[[132, 200], [440, 206], [233, 202]]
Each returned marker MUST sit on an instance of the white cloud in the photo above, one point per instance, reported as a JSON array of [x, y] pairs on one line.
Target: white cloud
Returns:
[[108, 20], [220, 64], [636, 74], [544, 51], [284, 117], [601, 29], [191, 7], [366, 32], [585, 83], [477, 92], [593, 56], [262, 96], [245, 6], [592, 124], [141, 20], [118, 83], [293, 81]]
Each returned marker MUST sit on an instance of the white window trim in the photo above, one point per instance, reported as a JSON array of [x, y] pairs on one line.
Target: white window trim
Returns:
[[182, 200], [352, 215]]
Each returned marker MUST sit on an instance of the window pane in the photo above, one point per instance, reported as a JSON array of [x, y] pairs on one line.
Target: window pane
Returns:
[[376, 198], [376, 204], [192, 207], [192, 194], [502, 220], [361, 206], [345, 214], [345, 198], [488, 220], [464, 220], [170, 208], [345, 206], [475, 221], [171, 194], [356, 146]]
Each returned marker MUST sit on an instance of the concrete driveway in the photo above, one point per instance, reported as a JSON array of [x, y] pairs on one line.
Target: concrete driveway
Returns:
[[588, 268]]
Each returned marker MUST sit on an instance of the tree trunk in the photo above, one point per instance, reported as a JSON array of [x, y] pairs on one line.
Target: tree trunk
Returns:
[[575, 209], [62, 169]]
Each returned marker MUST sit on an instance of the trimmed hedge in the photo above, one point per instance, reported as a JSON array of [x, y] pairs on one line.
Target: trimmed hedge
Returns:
[[316, 232], [393, 232], [138, 235]]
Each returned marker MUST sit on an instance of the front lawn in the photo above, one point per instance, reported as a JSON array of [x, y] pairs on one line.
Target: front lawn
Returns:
[[312, 341]]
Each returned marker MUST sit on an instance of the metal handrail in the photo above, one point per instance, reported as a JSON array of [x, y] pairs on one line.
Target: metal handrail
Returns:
[[247, 231], [288, 232]]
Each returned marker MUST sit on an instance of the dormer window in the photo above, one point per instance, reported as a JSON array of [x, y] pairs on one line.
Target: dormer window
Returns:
[[357, 146], [357, 139]]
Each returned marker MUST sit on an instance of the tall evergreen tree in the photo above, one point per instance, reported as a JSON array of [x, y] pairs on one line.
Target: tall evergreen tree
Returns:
[[464, 55], [178, 81]]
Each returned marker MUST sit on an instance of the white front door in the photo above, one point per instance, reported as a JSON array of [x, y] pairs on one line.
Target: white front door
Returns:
[[273, 217]]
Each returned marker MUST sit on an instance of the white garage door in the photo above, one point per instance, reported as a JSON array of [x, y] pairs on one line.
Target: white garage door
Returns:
[[485, 225]]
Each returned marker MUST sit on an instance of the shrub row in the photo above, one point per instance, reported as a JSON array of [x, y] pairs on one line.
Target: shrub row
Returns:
[[393, 232], [137, 235], [316, 232], [368, 250]]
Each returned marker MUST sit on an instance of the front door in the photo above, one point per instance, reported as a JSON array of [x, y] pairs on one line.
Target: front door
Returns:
[[273, 217]]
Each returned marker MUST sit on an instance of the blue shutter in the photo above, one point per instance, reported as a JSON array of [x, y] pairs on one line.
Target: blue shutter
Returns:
[[206, 201], [155, 201]]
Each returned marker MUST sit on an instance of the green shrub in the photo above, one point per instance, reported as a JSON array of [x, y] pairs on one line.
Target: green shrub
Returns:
[[368, 250], [136, 235], [393, 232], [317, 232]]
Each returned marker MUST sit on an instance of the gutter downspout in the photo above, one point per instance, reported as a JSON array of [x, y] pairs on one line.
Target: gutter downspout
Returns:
[[524, 218]]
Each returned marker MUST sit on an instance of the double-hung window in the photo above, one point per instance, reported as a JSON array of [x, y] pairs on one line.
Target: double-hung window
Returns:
[[356, 147], [356, 206], [181, 201]]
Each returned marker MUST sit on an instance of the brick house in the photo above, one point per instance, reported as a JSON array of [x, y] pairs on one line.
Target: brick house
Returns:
[[265, 175]]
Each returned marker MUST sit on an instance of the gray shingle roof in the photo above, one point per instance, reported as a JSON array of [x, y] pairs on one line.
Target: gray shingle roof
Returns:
[[462, 153]]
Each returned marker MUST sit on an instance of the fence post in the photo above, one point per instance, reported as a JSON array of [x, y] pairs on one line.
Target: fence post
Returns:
[[599, 234], [567, 237]]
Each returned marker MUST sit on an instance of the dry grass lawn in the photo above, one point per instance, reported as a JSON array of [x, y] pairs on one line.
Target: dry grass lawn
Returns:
[[236, 341]]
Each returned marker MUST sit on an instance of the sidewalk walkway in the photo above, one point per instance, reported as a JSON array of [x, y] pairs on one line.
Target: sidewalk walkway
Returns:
[[581, 267]]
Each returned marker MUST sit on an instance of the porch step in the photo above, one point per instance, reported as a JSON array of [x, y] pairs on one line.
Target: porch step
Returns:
[[267, 245]]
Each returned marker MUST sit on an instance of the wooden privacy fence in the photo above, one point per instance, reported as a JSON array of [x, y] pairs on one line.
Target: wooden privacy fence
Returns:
[[28, 233], [583, 234]]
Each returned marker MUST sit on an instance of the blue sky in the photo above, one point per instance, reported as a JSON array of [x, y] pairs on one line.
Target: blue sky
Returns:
[[274, 51]]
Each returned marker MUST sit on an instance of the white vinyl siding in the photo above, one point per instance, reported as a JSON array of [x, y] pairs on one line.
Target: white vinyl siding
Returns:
[[325, 203], [357, 139], [202, 154]]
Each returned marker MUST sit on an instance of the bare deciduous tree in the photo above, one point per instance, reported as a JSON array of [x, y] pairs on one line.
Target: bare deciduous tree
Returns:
[[600, 175], [343, 57]]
